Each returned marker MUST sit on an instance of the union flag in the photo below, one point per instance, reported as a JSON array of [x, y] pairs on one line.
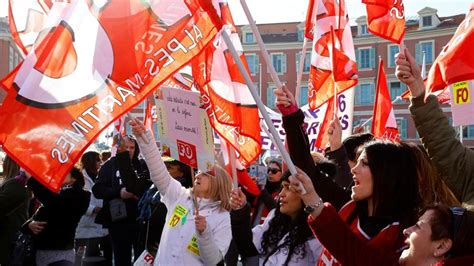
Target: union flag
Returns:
[[91, 62], [329, 74], [386, 18], [231, 108]]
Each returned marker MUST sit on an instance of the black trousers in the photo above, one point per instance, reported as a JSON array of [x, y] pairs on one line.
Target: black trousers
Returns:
[[124, 237]]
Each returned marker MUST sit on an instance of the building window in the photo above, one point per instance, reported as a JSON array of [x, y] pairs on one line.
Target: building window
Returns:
[[249, 37], [427, 21], [155, 131], [365, 58], [279, 62], [253, 63], [428, 48], [402, 125], [307, 62], [364, 30], [392, 50], [365, 94], [303, 95], [396, 89], [11, 54], [468, 132], [270, 97], [300, 35]]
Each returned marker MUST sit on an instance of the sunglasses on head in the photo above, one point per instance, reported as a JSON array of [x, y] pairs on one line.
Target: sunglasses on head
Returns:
[[457, 218], [273, 170]]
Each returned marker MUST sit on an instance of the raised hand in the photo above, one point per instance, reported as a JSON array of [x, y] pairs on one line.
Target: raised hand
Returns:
[[335, 134], [408, 72], [237, 199], [285, 101]]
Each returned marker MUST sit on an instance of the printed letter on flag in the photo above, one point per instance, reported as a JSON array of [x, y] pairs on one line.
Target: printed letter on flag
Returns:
[[90, 63], [386, 18], [384, 124], [227, 99], [327, 14]]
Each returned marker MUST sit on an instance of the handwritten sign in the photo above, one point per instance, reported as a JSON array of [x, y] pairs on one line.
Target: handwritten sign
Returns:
[[461, 104], [185, 131]]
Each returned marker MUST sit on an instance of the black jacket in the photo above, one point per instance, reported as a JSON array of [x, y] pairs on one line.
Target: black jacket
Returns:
[[119, 172], [62, 213]]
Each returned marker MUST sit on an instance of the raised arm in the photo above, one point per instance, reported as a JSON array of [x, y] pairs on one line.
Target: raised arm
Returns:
[[167, 185], [299, 148], [453, 160]]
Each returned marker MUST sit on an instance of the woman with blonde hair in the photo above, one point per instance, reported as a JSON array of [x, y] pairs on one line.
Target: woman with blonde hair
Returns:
[[197, 229]]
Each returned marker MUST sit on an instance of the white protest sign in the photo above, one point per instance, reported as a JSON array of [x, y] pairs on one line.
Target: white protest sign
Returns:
[[184, 128]]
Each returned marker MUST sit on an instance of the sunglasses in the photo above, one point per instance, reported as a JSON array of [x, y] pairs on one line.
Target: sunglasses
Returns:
[[457, 218], [273, 170]]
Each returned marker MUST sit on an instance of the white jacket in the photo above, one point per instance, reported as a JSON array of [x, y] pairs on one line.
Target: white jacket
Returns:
[[312, 247], [175, 240], [87, 228]]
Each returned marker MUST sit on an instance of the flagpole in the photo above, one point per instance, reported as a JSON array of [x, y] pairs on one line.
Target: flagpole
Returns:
[[232, 165], [261, 45], [300, 71], [261, 106]]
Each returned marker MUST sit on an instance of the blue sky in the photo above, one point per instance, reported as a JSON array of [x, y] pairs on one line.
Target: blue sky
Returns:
[[272, 11]]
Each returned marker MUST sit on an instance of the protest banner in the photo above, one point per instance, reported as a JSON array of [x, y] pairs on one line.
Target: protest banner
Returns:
[[184, 128]]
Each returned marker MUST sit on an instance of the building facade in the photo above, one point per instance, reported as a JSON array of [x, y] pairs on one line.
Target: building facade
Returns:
[[9, 54], [426, 33]]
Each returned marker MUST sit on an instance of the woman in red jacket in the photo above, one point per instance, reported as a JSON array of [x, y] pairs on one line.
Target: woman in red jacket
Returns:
[[368, 230]]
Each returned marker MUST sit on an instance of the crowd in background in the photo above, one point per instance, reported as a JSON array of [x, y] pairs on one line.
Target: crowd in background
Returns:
[[362, 202]]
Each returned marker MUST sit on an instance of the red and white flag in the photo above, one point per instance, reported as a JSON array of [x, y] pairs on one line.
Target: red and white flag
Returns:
[[327, 74], [243, 178], [231, 108], [386, 18], [384, 124], [322, 140], [91, 62], [455, 63]]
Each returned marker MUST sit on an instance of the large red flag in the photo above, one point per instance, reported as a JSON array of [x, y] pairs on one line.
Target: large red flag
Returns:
[[384, 124], [91, 63], [386, 18], [231, 108], [456, 61], [324, 73]]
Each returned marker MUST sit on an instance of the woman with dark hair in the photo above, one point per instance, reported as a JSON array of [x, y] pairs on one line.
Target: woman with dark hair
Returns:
[[283, 239], [14, 198], [442, 236], [368, 228], [53, 226], [90, 235]]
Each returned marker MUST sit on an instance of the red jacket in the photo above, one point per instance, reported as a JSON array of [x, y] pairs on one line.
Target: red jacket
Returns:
[[347, 244], [462, 261]]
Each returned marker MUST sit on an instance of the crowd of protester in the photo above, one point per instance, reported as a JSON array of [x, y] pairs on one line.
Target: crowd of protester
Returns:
[[363, 201]]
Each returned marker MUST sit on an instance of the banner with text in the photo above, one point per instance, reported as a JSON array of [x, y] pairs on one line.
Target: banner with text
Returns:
[[184, 128]]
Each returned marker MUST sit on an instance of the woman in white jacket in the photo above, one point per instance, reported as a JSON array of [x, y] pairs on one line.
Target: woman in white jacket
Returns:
[[90, 235], [197, 229]]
